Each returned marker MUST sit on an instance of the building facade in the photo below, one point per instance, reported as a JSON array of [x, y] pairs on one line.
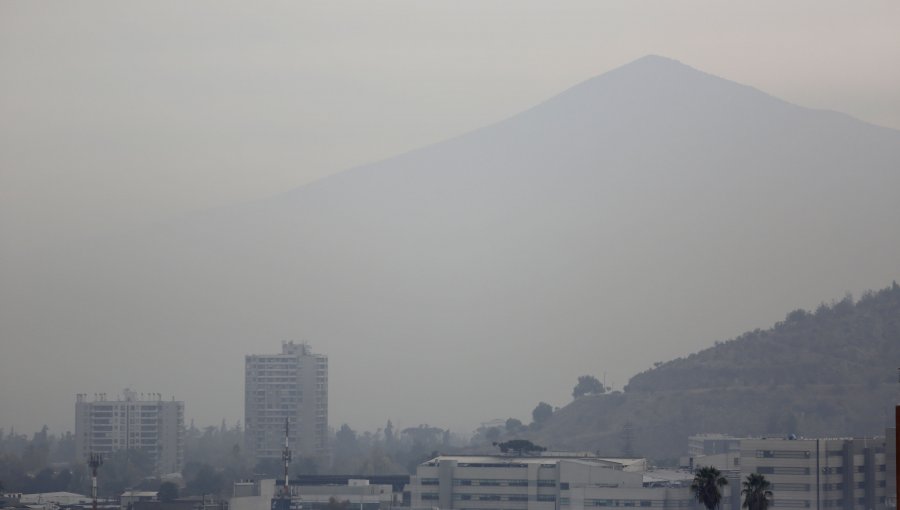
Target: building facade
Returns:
[[291, 386], [544, 482], [832, 474], [131, 422]]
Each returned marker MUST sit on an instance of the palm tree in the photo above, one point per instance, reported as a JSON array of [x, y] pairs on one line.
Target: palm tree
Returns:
[[757, 495], [707, 486]]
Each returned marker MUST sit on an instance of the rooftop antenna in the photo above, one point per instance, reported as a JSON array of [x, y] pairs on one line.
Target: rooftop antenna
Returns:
[[94, 462]]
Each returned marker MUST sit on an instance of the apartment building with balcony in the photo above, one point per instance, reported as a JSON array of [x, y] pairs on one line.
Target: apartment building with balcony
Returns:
[[132, 421], [290, 386]]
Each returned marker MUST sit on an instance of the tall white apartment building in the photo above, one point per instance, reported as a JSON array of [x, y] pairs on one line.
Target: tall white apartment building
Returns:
[[133, 421], [290, 386]]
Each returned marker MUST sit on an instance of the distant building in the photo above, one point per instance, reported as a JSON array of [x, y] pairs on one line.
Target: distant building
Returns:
[[555, 481], [55, 498], [314, 492], [195, 503], [834, 474], [132, 422], [128, 499], [358, 493], [292, 385], [712, 444], [890, 454]]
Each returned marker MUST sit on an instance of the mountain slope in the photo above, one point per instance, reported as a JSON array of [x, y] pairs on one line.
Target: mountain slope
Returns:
[[637, 215], [827, 373]]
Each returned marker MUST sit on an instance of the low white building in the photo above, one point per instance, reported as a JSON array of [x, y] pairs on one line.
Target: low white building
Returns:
[[550, 481], [54, 498], [830, 473], [129, 498]]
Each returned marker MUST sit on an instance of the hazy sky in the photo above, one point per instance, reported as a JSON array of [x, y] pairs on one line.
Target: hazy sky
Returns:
[[120, 112], [116, 114]]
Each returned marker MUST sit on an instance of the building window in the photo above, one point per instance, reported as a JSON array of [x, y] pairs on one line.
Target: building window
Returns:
[[802, 487], [429, 496], [429, 481], [791, 503]]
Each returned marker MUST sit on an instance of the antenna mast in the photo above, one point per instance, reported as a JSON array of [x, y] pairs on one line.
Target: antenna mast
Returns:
[[286, 457], [94, 462]]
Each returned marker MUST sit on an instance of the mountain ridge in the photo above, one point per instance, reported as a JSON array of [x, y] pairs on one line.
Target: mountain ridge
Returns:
[[762, 382], [544, 239]]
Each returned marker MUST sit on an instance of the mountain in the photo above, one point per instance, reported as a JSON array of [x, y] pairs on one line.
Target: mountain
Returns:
[[636, 216], [828, 373]]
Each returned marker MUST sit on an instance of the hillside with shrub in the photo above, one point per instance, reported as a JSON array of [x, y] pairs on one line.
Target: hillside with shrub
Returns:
[[830, 372]]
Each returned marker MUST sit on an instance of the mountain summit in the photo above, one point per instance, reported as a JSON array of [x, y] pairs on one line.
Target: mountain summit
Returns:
[[632, 218]]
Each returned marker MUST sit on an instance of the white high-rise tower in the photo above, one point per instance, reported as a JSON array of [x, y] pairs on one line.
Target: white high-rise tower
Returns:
[[290, 386]]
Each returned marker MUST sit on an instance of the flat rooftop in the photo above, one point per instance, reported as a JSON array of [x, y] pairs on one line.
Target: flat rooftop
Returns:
[[554, 458]]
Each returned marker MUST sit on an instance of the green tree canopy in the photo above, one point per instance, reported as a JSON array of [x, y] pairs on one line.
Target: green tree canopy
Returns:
[[513, 425], [588, 385], [757, 495], [707, 486], [168, 491], [334, 504], [541, 413], [205, 480], [519, 447]]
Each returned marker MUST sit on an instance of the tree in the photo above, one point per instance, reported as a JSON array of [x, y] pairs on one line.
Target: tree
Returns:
[[519, 447], [124, 469], [168, 491], [346, 443], [757, 495], [389, 435], [492, 434], [334, 504], [425, 435], [707, 486], [206, 480], [587, 385], [542, 413], [513, 425]]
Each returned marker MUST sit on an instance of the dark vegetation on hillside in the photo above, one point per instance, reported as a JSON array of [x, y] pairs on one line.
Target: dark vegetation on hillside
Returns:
[[842, 343], [831, 372]]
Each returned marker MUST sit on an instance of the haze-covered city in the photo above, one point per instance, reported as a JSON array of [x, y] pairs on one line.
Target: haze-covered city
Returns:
[[503, 255]]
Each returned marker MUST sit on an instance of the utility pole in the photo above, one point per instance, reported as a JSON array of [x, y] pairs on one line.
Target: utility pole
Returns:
[[94, 462]]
